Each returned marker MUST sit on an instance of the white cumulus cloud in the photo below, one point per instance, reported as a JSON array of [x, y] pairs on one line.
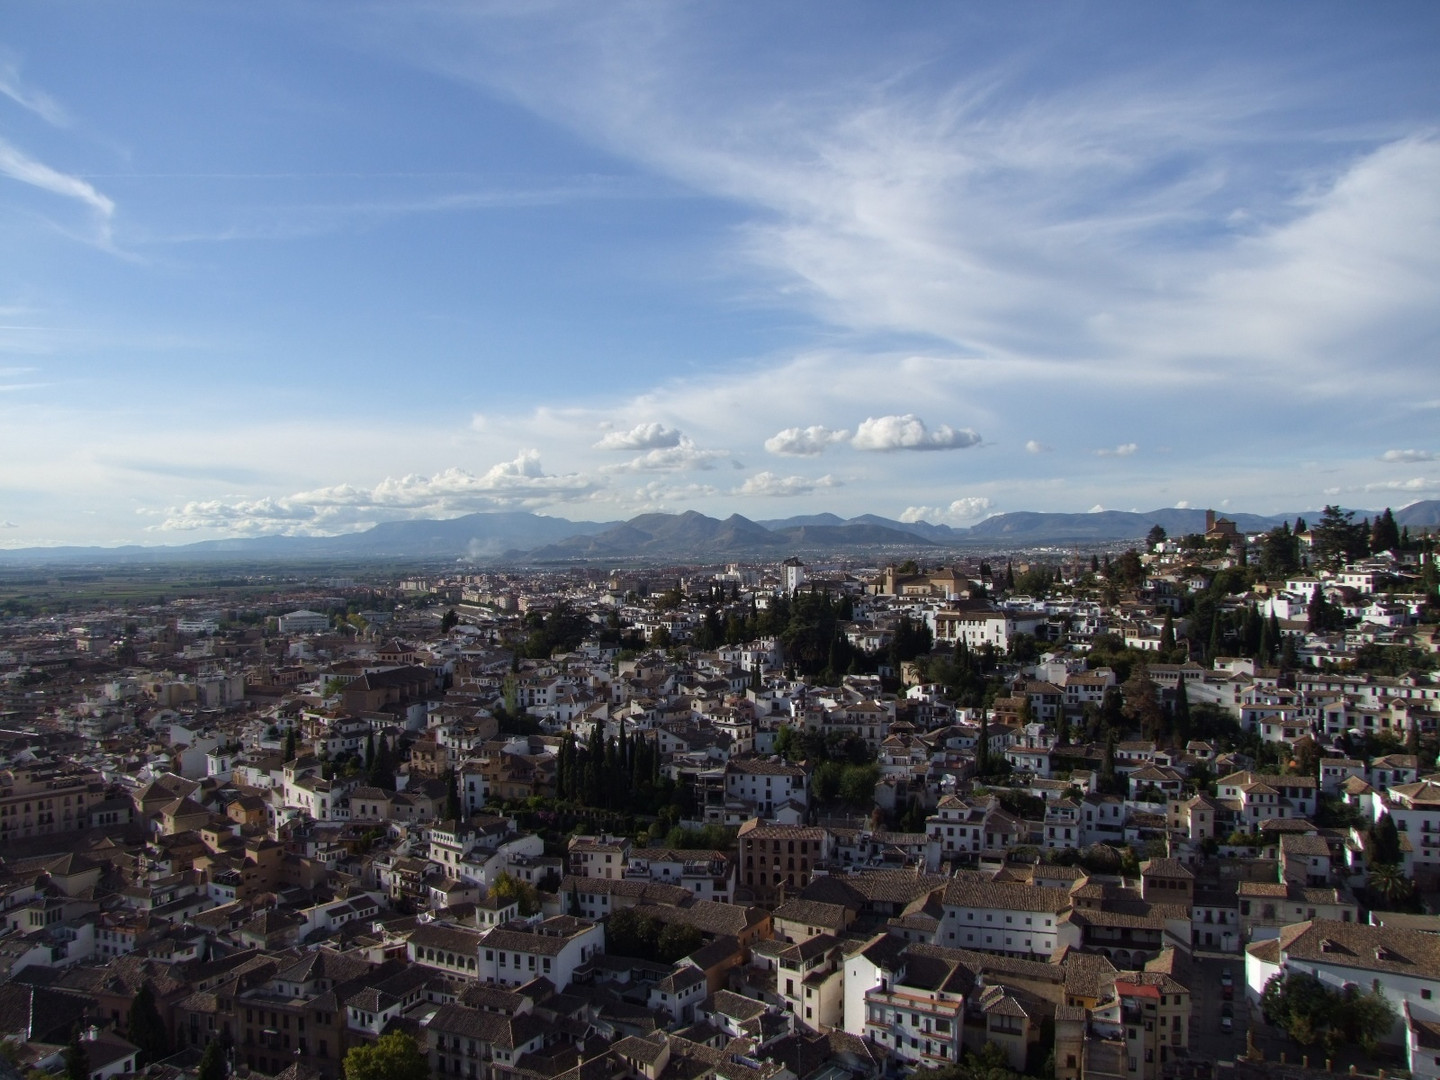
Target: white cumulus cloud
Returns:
[[1035, 446], [1415, 483], [909, 432], [1407, 456], [651, 436], [520, 483], [959, 512], [772, 485], [682, 456], [806, 441], [1123, 450]]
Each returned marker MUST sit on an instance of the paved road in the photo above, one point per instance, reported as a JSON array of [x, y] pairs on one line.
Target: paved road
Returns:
[[1207, 1041]]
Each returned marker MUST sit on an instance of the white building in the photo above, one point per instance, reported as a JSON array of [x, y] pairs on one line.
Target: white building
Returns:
[[551, 950], [304, 622], [1010, 918]]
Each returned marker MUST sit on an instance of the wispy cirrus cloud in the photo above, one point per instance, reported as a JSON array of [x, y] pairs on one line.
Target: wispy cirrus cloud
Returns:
[[18, 165], [30, 98], [1080, 220], [1123, 450]]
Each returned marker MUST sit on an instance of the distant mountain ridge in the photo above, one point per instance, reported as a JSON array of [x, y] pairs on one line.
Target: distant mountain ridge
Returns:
[[517, 536]]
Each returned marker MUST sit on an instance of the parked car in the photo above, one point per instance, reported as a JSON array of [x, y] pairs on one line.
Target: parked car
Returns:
[[1227, 1025], [1226, 979]]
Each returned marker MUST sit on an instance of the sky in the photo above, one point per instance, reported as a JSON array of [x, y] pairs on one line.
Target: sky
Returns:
[[300, 267]]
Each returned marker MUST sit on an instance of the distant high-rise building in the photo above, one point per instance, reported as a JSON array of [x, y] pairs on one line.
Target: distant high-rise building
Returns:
[[793, 572]]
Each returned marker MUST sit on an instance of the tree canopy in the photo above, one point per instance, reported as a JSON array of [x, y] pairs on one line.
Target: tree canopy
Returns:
[[1310, 1011], [1337, 537], [391, 1057], [146, 1028]]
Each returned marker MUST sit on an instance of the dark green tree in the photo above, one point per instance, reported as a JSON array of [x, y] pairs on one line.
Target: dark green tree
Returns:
[[453, 811], [825, 781], [448, 621], [1385, 534], [675, 941], [395, 1056], [1128, 571], [77, 1060], [381, 773], [292, 744], [1279, 553], [1383, 843], [1323, 616], [1338, 537], [1180, 731], [1142, 704], [212, 1062], [146, 1027], [1155, 537]]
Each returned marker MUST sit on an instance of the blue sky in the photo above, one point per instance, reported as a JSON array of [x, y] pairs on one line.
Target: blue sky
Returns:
[[302, 267]]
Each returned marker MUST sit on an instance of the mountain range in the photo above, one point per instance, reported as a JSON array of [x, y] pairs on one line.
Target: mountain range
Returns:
[[519, 537]]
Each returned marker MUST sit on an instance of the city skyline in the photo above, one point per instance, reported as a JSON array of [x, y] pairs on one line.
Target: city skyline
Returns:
[[300, 271]]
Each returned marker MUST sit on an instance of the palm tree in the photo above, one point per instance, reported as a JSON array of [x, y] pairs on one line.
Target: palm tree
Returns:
[[1389, 881]]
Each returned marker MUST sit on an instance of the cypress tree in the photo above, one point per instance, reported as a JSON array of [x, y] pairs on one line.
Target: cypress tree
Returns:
[[562, 769], [1107, 766], [212, 1062], [1384, 534], [1181, 730], [382, 769], [146, 1028], [77, 1061], [1252, 630], [982, 747], [453, 810], [594, 767]]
